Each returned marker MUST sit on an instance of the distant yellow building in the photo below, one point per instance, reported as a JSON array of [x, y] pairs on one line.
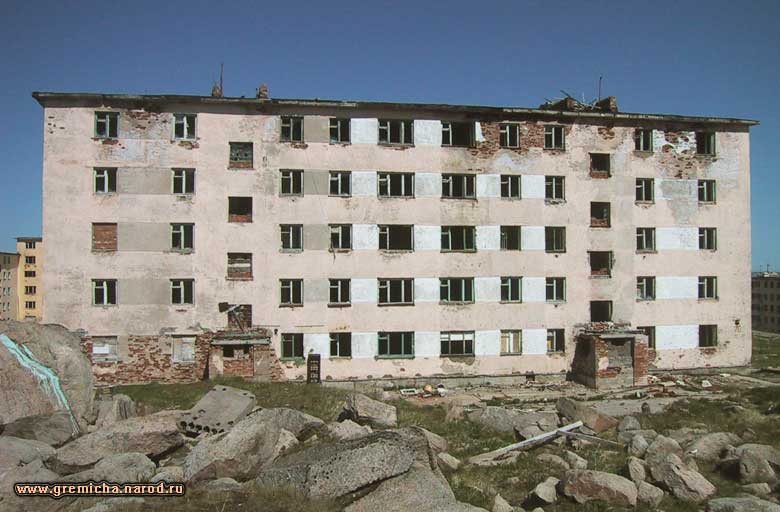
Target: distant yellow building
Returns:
[[9, 277], [29, 289]]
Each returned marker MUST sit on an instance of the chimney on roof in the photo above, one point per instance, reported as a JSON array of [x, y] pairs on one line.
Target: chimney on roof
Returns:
[[262, 92]]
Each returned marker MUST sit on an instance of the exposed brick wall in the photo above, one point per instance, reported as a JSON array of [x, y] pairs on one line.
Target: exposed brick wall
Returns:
[[235, 217], [104, 237], [531, 136], [240, 164]]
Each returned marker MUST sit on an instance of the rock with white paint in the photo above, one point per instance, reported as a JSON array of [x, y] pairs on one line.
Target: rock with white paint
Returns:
[[367, 411], [585, 485]]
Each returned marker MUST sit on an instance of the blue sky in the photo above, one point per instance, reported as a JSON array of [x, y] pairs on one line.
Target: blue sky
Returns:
[[717, 58]]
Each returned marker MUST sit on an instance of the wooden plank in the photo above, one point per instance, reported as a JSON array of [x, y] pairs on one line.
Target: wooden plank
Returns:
[[530, 442]]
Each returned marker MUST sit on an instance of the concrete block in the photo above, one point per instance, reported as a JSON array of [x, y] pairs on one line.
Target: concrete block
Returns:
[[218, 410]]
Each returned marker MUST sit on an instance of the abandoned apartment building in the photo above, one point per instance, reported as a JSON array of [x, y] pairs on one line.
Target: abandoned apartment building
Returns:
[[766, 301], [194, 236]]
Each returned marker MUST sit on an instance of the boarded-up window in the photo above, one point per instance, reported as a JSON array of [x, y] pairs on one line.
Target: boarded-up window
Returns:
[[239, 265], [104, 237], [239, 209], [183, 349], [104, 349], [240, 316]]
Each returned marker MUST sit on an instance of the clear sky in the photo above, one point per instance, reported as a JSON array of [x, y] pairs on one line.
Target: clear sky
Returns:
[[717, 58]]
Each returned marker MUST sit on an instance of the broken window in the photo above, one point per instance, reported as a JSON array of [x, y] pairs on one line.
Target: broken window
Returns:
[[599, 215], [105, 349], [396, 237], [105, 181], [239, 209], [554, 137], [181, 237], [104, 236], [29, 260], [396, 184], [645, 288], [600, 263], [706, 191], [292, 237], [456, 289], [339, 292], [292, 292], [239, 316], [649, 331], [509, 135], [292, 345], [239, 265], [645, 239], [339, 130], [645, 190], [643, 139], [183, 181], [708, 239], [341, 344], [555, 289], [292, 129], [554, 187], [457, 134], [599, 165], [104, 292], [292, 182], [511, 342], [510, 238], [458, 186], [106, 125], [29, 273], [457, 343], [184, 126], [395, 344], [30, 290], [395, 132], [555, 239], [182, 291], [510, 186], [241, 155], [555, 340], [601, 311], [183, 349], [708, 335], [511, 289], [708, 287], [340, 237], [340, 183], [396, 291], [705, 143], [458, 238]]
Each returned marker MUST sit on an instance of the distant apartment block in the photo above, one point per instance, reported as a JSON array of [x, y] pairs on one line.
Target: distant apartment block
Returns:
[[29, 282], [9, 299], [766, 301]]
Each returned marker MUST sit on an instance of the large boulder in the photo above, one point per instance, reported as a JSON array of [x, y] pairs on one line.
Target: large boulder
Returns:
[[629, 423], [753, 468], [54, 429], [299, 424], [649, 495], [660, 449], [708, 447], [525, 425], [742, 504], [44, 371], [579, 411], [683, 482], [118, 408], [367, 411], [636, 470], [347, 429], [770, 453], [15, 451], [585, 485], [543, 494], [33, 472], [122, 467]]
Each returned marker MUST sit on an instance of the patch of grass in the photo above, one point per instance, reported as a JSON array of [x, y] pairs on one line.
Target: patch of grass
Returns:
[[766, 350], [251, 498]]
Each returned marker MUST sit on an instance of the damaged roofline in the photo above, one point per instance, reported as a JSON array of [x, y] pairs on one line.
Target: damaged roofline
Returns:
[[93, 99]]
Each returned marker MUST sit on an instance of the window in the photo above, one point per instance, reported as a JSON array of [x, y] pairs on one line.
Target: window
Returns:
[[708, 287], [458, 186], [555, 341], [182, 291], [181, 237], [292, 237], [292, 182], [458, 238], [706, 191], [708, 335], [183, 181], [396, 184], [643, 140], [30, 304], [645, 239], [292, 345], [27, 245], [457, 343], [511, 289], [599, 165], [30, 290], [601, 311], [554, 187], [339, 292], [708, 239], [555, 289], [105, 181], [456, 289], [600, 263], [239, 209], [555, 239], [239, 265], [645, 288], [241, 155], [103, 292], [340, 183], [510, 186], [510, 238], [396, 344], [649, 331], [292, 292], [554, 137], [705, 143], [104, 349], [106, 125], [395, 132], [457, 134], [29, 273], [396, 237], [183, 350], [396, 291], [340, 237], [104, 236], [339, 131], [184, 126], [292, 129], [511, 342], [644, 190], [29, 260], [509, 135], [599, 215], [341, 344]]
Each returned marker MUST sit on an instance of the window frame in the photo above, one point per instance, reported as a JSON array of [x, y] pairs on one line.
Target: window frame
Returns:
[[337, 178], [552, 234], [242, 199], [384, 287], [642, 187], [505, 135], [469, 184], [386, 126], [386, 337], [337, 341], [106, 285], [555, 143], [288, 286], [385, 179], [236, 148], [186, 179], [641, 234], [289, 123], [551, 184], [504, 237], [292, 342], [649, 331], [468, 340], [708, 287], [707, 192], [289, 238], [601, 223], [448, 132], [446, 234], [558, 287], [384, 232], [512, 289], [706, 144], [645, 288], [181, 229], [511, 342], [708, 239], [338, 230], [183, 288], [111, 355], [236, 261], [640, 144], [109, 177], [337, 124], [511, 186], [556, 341], [291, 178], [448, 290], [183, 120], [338, 285], [708, 337], [109, 117]]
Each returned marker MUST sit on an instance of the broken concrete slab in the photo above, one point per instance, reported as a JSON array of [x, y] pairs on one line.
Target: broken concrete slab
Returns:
[[218, 410]]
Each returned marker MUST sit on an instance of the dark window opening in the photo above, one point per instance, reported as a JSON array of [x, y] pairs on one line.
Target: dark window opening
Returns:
[[645, 239], [708, 335], [106, 125], [458, 238], [554, 187], [239, 316], [396, 238], [292, 345], [707, 191], [183, 181], [643, 140], [396, 291], [510, 238], [239, 209], [645, 288], [103, 292], [649, 331], [509, 135], [599, 215], [292, 292], [555, 340], [181, 237], [555, 239], [708, 239], [292, 129], [241, 155], [395, 132], [457, 343], [456, 289], [555, 289], [511, 289], [340, 183], [105, 181], [396, 344], [292, 237], [340, 237], [339, 291], [599, 165], [292, 182], [601, 311], [708, 287], [457, 134], [341, 344], [339, 131], [458, 186], [184, 126], [510, 186], [600, 263], [554, 137], [182, 291], [705, 143], [644, 190], [396, 184]]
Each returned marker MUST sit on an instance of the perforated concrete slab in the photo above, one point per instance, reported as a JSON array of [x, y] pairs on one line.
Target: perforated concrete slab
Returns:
[[218, 410]]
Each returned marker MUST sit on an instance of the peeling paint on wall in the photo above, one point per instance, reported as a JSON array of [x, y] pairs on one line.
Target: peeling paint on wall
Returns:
[[532, 238], [677, 239], [427, 132], [534, 289], [532, 186], [364, 131]]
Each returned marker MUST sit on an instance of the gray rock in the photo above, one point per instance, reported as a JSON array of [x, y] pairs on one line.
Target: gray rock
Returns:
[[543, 494], [708, 447], [501, 505], [300, 424], [742, 504], [117, 505], [683, 482], [347, 429], [648, 494], [120, 407], [122, 467], [770, 453], [755, 469], [169, 474], [638, 446], [548, 459], [629, 423], [636, 470], [584, 485], [508, 420], [15, 451], [33, 472], [219, 485], [626, 436], [574, 460], [367, 411], [437, 443], [660, 448], [762, 489], [448, 461], [54, 429], [686, 435], [592, 418], [218, 410], [455, 412]]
